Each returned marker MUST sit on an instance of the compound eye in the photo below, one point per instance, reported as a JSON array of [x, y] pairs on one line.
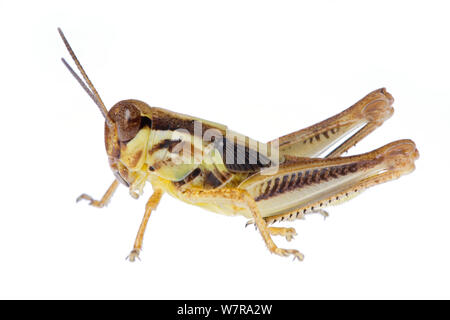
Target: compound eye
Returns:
[[127, 118]]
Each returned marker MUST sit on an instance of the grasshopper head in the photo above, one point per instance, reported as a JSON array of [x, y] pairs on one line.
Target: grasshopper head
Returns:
[[126, 139], [127, 128]]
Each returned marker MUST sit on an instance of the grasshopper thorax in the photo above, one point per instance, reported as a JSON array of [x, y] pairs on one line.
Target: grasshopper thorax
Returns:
[[127, 137]]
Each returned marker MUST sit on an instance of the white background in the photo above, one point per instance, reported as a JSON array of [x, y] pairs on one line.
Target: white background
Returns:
[[264, 68]]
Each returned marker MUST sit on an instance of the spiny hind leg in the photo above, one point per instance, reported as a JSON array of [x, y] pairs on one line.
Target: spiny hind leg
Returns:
[[366, 115], [151, 205], [104, 200], [242, 197], [290, 216], [387, 163]]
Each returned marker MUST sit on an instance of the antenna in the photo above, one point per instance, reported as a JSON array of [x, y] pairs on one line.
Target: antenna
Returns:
[[89, 88]]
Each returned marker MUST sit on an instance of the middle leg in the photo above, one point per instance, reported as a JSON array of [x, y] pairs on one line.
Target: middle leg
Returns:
[[151, 205], [242, 197], [288, 233]]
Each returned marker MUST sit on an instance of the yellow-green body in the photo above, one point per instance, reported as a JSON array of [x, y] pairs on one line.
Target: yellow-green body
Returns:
[[292, 181], [205, 164]]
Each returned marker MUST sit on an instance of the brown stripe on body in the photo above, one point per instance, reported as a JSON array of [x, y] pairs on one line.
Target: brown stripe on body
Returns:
[[306, 178], [283, 184], [333, 172], [315, 176], [324, 174], [293, 181], [135, 158], [179, 147], [299, 180], [164, 144], [165, 120], [275, 187], [243, 159], [159, 164], [211, 180], [266, 193], [215, 178]]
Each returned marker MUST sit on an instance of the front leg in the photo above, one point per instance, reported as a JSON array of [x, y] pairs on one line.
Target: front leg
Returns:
[[104, 200], [242, 197], [151, 205]]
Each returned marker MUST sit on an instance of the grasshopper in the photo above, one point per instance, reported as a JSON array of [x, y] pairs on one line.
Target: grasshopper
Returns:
[[205, 164]]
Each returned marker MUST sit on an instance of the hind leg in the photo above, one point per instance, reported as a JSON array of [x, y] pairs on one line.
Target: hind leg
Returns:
[[358, 121], [384, 164]]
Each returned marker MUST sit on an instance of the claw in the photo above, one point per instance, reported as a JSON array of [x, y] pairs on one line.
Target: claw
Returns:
[[286, 252], [85, 197], [92, 201], [323, 213], [133, 255], [290, 235], [299, 256]]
